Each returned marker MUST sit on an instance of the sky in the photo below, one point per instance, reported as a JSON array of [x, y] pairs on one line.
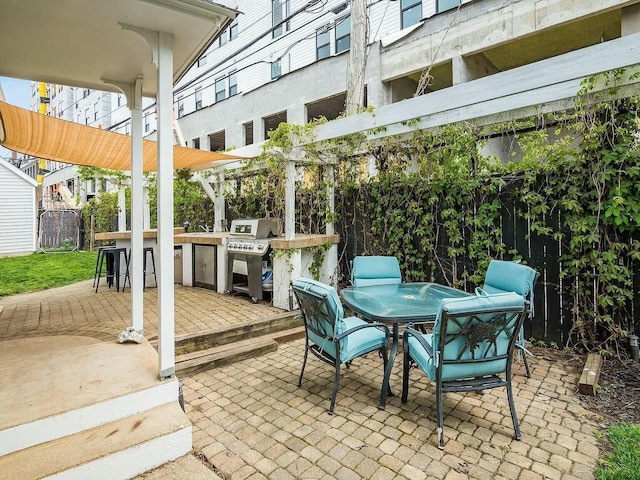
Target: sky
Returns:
[[16, 92]]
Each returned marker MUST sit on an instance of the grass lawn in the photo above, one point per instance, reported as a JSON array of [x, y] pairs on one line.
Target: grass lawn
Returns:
[[623, 461], [40, 271]]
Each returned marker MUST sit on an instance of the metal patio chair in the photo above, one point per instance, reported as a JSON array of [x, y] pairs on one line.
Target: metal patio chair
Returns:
[[332, 337], [505, 276], [470, 349]]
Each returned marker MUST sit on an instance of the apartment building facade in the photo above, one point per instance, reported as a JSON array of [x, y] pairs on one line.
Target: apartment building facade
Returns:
[[288, 60]]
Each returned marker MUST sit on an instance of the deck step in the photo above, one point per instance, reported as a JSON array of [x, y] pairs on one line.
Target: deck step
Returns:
[[243, 331], [200, 360], [193, 362], [120, 449]]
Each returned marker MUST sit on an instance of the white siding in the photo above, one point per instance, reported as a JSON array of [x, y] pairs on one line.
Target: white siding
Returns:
[[17, 211]]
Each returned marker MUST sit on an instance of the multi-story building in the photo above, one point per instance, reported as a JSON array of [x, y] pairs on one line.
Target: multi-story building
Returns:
[[288, 60]]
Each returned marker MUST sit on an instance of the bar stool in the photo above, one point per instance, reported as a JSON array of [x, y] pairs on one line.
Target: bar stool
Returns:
[[98, 258], [145, 252], [112, 256]]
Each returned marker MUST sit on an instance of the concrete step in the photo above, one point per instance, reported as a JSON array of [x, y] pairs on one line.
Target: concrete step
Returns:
[[200, 360], [121, 449], [87, 384]]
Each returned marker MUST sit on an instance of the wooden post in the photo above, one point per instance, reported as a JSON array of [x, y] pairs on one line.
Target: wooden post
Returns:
[[357, 57], [590, 375]]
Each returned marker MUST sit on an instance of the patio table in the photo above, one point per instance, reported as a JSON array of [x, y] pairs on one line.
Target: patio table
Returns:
[[395, 305]]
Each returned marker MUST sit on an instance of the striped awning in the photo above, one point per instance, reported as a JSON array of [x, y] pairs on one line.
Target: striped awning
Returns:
[[51, 138]]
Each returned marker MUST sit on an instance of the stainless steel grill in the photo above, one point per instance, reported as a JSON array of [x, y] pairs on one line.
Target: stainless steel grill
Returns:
[[249, 250]]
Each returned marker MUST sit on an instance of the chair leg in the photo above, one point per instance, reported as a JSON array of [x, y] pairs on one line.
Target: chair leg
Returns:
[[304, 361], [101, 257], [512, 407], [439, 415], [526, 364], [335, 388], [405, 374]]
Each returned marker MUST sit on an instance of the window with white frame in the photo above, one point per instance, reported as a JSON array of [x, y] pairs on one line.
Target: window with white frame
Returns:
[[198, 98], [233, 29], [343, 34], [323, 43], [147, 123], [233, 84], [180, 106], [411, 12], [202, 60], [220, 89], [276, 69], [86, 116], [443, 5], [280, 10], [95, 111]]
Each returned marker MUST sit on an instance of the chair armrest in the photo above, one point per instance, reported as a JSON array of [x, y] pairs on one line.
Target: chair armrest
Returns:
[[419, 336], [380, 326]]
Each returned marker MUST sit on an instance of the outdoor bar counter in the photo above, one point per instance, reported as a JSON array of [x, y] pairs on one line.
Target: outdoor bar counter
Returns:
[[203, 258]]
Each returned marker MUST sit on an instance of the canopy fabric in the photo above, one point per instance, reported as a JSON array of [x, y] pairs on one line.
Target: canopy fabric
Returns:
[[51, 138]]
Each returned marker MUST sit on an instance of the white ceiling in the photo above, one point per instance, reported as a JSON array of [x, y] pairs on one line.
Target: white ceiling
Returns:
[[82, 43]]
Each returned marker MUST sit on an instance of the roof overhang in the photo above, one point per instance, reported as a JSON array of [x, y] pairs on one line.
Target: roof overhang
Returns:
[[91, 43]]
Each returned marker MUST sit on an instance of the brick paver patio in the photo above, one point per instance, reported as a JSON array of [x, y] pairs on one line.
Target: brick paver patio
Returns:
[[251, 421]]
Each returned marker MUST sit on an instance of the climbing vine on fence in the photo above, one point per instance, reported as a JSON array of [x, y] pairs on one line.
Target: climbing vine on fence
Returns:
[[438, 200]]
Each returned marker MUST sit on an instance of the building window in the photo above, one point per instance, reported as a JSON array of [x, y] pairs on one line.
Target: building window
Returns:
[[147, 125], [119, 100], [198, 98], [276, 69], [248, 133], [95, 111], [411, 12], [279, 11], [233, 84], [343, 34], [443, 5], [233, 29], [85, 93], [180, 106], [220, 89], [323, 40], [202, 60], [86, 116], [196, 143]]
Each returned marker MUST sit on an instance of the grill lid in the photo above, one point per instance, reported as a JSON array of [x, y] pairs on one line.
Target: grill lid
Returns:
[[255, 228]]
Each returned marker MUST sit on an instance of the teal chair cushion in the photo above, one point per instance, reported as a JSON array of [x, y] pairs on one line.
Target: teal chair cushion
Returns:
[[459, 307], [504, 276], [322, 289], [375, 270]]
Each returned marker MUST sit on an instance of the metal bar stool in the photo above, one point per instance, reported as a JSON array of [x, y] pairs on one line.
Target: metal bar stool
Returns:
[[145, 252], [112, 268], [99, 258]]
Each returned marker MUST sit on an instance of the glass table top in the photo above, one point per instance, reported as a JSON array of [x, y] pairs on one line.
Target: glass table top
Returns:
[[399, 303]]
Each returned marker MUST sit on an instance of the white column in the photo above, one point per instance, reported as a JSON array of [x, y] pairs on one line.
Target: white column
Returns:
[[137, 208], [166, 296], [290, 200], [122, 208], [147, 210]]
